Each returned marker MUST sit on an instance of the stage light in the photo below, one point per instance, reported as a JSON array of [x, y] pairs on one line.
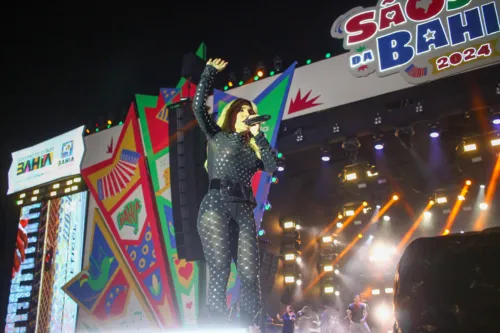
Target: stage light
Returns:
[[483, 206], [274, 180], [328, 268], [387, 218], [240, 83], [337, 272], [230, 84], [340, 217], [299, 282], [349, 212], [495, 118], [22, 195], [371, 237], [298, 260], [120, 123], [277, 64], [419, 108], [279, 155], [427, 214], [434, 131], [255, 78], [351, 176], [340, 225], [482, 186], [327, 239], [389, 290], [375, 291], [77, 179], [271, 73], [379, 144], [360, 235], [261, 232], [53, 193], [405, 136], [87, 131], [281, 165], [19, 202], [290, 256], [289, 225], [299, 137], [470, 147], [461, 198], [468, 182], [325, 154], [378, 119], [351, 148], [335, 241], [395, 197], [495, 142], [226, 87], [383, 313], [336, 128], [289, 279], [109, 122], [462, 232], [308, 61], [267, 206], [328, 290], [298, 227], [365, 203], [446, 232], [441, 200], [328, 55], [431, 202]]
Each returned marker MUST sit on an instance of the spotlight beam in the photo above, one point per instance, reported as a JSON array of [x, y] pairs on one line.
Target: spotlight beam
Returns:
[[490, 192], [413, 228], [454, 212]]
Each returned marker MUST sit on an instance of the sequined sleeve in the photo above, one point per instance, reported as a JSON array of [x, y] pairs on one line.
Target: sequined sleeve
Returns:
[[268, 161], [207, 124]]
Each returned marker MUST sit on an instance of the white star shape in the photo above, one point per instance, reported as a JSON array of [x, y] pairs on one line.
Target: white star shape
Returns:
[[430, 35]]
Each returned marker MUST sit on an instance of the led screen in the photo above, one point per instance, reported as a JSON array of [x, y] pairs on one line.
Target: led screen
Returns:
[[53, 261]]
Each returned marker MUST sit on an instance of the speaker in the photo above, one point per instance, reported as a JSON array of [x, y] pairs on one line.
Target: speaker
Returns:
[[189, 179], [449, 284], [192, 67]]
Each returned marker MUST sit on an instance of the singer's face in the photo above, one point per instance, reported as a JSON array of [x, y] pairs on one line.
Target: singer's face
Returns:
[[243, 113]]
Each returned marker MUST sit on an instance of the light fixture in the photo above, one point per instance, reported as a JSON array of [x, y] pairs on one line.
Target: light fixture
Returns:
[[434, 131], [378, 119], [419, 108], [339, 225], [277, 64], [336, 128], [299, 137], [405, 135], [351, 147], [483, 206], [327, 239], [261, 69], [247, 74], [325, 154], [495, 118], [387, 218]]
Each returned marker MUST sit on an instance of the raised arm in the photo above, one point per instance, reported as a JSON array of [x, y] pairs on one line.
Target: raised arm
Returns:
[[268, 160], [207, 125]]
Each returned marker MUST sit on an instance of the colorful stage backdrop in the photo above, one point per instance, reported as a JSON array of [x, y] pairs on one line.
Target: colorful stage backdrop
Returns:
[[125, 281], [153, 115]]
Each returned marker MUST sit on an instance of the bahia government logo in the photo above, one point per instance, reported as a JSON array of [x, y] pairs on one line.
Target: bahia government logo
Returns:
[[66, 153], [421, 39]]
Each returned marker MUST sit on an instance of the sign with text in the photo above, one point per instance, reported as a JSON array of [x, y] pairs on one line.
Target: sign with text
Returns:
[[56, 158], [422, 40]]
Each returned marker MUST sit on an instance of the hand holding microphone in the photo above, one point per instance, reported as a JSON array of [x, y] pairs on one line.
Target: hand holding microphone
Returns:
[[254, 122]]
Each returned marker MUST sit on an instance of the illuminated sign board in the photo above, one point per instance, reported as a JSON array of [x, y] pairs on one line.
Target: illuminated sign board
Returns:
[[47, 161], [421, 39]]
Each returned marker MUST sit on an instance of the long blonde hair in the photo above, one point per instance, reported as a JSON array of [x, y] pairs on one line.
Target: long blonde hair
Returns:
[[225, 123]]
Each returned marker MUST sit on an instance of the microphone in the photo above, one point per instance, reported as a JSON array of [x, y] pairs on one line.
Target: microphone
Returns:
[[256, 120]]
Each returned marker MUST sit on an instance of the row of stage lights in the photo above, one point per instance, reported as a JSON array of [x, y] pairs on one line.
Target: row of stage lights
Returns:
[[51, 191], [98, 127], [260, 71]]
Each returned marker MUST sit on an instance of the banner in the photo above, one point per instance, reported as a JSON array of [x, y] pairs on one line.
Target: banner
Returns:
[[421, 39], [53, 159], [270, 100]]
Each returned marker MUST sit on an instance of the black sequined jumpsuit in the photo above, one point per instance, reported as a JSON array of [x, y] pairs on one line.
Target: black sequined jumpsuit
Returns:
[[227, 229]]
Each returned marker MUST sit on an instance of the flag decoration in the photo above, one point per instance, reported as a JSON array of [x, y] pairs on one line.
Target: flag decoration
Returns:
[[122, 191], [272, 101]]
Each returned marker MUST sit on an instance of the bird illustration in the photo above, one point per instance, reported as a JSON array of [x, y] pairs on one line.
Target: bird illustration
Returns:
[[97, 283]]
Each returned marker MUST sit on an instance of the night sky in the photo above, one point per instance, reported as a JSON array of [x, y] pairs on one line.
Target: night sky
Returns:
[[74, 65]]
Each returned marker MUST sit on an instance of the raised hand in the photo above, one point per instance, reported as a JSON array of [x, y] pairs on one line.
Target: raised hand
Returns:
[[218, 63]]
